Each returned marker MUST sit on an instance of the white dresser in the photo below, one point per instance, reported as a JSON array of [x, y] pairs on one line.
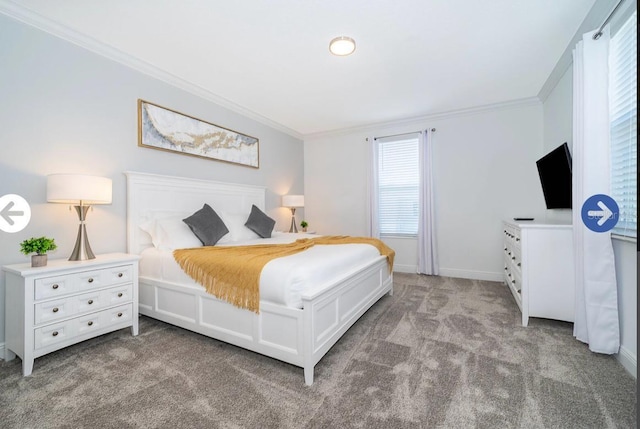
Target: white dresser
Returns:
[[539, 269], [52, 307]]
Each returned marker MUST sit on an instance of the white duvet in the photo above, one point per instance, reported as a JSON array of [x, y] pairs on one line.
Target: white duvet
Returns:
[[283, 280]]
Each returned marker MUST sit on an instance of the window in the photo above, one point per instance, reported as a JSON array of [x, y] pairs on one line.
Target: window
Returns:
[[398, 186], [623, 119]]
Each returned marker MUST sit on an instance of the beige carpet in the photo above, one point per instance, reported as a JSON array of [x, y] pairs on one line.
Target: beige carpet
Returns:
[[439, 353]]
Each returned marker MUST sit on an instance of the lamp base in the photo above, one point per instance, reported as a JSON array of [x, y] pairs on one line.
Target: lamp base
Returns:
[[293, 227], [82, 250]]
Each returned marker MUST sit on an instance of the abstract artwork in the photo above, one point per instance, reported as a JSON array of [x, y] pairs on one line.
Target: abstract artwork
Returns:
[[166, 129]]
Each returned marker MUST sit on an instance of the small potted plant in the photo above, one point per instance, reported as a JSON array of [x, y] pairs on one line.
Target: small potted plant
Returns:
[[304, 225], [39, 246]]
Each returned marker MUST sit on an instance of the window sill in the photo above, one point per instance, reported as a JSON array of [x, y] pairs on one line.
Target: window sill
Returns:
[[398, 236]]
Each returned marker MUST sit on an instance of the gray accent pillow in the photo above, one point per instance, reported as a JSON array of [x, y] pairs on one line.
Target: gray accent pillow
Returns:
[[260, 223], [207, 225]]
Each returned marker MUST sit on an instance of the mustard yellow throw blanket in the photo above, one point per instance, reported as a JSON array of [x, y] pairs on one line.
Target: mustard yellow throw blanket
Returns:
[[233, 273]]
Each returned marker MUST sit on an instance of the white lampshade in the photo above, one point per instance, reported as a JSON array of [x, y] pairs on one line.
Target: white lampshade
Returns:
[[73, 188], [342, 46], [293, 201]]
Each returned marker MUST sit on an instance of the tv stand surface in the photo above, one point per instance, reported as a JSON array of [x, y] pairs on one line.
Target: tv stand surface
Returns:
[[539, 269]]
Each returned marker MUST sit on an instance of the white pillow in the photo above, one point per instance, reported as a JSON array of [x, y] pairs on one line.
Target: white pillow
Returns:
[[170, 233], [237, 230]]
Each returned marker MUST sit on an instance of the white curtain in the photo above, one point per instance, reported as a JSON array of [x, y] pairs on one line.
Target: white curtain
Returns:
[[596, 316], [427, 256], [373, 225]]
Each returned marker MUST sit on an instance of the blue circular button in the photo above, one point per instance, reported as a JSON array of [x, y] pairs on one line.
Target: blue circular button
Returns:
[[600, 213]]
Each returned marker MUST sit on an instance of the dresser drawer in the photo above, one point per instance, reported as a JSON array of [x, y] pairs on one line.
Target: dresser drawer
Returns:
[[116, 315], [53, 334], [119, 294], [88, 280], [89, 323], [51, 287], [53, 310], [60, 332], [121, 274], [50, 311], [91, 301]]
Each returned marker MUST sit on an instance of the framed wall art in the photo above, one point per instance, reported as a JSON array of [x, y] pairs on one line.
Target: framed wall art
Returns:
[[166, 129]]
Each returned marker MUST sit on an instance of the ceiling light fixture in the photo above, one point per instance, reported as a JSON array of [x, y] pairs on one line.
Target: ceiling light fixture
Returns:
[[342, 46]]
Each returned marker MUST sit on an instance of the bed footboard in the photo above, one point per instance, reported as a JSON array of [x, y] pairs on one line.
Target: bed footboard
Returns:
[[298, 337], [329, 313]]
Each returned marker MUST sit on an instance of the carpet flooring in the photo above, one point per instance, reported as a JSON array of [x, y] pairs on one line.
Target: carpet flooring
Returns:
[[439, 353]]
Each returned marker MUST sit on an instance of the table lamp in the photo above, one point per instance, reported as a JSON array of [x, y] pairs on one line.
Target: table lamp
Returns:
[[82, 192], [293, 202]]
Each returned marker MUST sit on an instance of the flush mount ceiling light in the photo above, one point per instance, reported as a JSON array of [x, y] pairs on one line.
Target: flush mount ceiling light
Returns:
[[342, 46]]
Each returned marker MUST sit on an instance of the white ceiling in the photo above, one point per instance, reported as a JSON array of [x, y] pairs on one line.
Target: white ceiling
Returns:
[[413, 58]]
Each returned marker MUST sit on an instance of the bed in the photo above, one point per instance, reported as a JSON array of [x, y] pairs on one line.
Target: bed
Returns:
[[283, 331]]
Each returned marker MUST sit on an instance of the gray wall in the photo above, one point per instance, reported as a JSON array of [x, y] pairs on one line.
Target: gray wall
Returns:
[[64, 109], [484, 171]]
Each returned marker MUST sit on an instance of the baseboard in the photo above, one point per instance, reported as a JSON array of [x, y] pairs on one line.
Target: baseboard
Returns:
[[474, 275], [629, 361], [410, 269], [2, 351], [452, 272]]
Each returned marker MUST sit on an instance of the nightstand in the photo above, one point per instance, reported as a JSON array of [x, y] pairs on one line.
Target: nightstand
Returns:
[[66, 302]]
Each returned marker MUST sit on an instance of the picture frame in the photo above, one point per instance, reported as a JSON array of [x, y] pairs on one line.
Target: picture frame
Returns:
[[169, 130]]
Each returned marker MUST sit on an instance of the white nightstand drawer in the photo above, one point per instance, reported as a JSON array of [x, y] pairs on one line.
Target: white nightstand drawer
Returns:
[[53, 310], [90, 322], [122, 274], [118, 314], [91, 301], [50, 287], [119, 295], [53, 334], [91, 280]]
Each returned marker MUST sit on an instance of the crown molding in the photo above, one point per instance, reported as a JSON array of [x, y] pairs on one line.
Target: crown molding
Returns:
[[29, 17], [421, 121]]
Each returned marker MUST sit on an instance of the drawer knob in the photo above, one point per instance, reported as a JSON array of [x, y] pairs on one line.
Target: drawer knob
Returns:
[[513, 281], [55, 309], [120, 274], [119, 314], [513, 258], [90, 322], [518, 263], [120, 295], [517, 239], [90, 280], [90, 302], [54, 333], [505, 268], [55, 286]]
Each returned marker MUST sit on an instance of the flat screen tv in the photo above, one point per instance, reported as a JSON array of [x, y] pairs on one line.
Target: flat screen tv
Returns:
[[555, 175]]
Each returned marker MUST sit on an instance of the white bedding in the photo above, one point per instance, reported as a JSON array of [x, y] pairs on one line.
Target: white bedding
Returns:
[[283, 280]]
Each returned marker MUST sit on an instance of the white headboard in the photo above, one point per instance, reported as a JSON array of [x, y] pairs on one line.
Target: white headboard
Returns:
[[149, 193]]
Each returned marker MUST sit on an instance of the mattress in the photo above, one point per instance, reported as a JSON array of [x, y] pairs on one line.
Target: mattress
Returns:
[[283, 280]]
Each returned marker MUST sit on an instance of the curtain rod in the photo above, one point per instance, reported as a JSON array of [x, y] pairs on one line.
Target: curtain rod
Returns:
[[598, 33], [433, 130]]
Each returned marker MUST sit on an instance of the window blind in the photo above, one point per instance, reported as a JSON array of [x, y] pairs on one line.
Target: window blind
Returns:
[[623, 118], [398, 186]]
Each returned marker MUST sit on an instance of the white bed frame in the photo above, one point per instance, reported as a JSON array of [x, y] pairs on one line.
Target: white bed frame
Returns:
[[300, 337]]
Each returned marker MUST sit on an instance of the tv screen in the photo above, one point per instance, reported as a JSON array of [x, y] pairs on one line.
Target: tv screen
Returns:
[[555, 175]]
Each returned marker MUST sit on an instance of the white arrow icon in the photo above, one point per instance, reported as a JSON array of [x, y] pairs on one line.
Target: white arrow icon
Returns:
[[15, 213], [603, 214]]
